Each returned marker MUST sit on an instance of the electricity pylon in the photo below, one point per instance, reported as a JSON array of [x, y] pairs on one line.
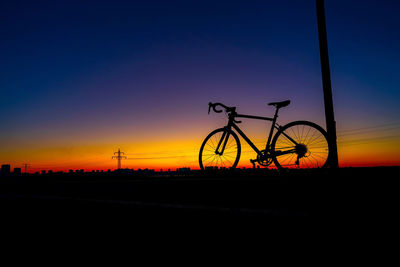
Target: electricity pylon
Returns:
[[119, 157], [26, 166]]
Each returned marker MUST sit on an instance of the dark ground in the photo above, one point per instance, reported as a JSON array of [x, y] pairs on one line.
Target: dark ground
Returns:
[[349, 192]]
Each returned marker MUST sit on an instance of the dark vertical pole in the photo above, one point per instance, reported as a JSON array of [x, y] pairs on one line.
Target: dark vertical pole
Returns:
[[119, 159], [326, 83]]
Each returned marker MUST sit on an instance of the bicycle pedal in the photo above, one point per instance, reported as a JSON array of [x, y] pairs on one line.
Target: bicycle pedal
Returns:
[[253, 161]]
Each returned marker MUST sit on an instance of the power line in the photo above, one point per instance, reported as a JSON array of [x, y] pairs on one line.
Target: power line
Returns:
[[372, 127], [363, 132], [166, 157], [370, 140]]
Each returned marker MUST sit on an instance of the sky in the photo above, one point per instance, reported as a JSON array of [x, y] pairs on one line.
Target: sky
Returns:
[[81, 79]]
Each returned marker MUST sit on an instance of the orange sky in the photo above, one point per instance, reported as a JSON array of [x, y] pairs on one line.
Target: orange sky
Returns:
[[177, 150]]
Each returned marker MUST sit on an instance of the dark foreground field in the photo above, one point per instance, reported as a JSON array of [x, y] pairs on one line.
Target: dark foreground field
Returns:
[[347, 192]]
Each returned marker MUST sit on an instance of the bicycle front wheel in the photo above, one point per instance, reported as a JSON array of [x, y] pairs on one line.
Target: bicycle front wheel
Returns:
[[300, 144], [215, 155]]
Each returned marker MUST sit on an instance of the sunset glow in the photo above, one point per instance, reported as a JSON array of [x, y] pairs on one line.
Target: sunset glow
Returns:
[[81, 80]]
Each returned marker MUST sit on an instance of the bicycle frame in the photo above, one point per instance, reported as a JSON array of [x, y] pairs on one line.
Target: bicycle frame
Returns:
[[232, 124]]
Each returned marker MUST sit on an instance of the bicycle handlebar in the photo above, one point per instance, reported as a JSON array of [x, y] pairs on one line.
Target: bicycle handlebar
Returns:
[[214, 105], [227, 109]]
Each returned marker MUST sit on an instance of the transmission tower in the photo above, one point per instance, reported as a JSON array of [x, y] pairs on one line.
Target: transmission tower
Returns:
[[26, 166], [119, 157]]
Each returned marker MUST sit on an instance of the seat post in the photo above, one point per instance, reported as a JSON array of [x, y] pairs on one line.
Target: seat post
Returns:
[[276, 114]]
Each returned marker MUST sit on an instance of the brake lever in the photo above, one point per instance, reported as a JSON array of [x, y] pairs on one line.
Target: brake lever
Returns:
[[209, 107]]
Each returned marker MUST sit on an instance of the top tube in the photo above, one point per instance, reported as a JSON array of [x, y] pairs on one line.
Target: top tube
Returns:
[[253, 117]]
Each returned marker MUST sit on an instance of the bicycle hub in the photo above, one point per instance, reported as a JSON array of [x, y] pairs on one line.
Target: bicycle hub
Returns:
[[301, 150]]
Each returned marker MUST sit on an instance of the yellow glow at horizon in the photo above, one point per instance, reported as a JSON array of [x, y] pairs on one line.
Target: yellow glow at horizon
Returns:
[[178, 152]]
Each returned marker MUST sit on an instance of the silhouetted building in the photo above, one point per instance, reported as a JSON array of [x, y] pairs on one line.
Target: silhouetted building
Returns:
[[43, 172], [17, 171], [183, 170], [146, 171], [5, 169], [124, 171]]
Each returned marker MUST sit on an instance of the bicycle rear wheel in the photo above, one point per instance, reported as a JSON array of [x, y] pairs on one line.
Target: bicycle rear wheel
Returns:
[[209, 157], [300, 144]]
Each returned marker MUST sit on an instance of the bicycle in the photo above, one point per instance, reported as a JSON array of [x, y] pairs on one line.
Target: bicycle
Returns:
[[298, 144]]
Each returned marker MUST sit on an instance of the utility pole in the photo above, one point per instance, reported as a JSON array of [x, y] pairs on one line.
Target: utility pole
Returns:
[[119, 157], [326, 83], [26, 166]]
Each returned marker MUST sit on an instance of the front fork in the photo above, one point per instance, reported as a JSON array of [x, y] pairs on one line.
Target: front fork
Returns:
[[222, 142]]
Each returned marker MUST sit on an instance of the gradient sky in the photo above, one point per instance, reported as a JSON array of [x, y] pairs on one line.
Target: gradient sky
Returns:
[[80, 79]]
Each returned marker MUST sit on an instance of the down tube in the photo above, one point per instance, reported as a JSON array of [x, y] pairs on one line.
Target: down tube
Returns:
[[246, 138]]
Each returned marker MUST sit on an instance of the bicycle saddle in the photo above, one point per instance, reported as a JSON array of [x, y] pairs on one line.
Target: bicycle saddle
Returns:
[[280, 104]]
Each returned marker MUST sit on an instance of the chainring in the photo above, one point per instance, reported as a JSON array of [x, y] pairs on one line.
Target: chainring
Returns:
[[264, 158]]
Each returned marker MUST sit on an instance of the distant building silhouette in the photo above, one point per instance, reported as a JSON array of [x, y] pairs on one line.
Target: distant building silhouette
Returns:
[[183, 170], [211, 168], [5, 169], [17, 171]]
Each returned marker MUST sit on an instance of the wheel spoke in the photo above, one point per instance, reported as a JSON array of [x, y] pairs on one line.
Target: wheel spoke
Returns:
[[230, 154], [312, 148]]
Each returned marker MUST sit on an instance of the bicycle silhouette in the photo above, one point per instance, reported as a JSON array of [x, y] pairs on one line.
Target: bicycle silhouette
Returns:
[[298, 144]]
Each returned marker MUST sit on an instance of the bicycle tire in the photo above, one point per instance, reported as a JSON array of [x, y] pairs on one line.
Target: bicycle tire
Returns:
[[227, 161], [316, 144]]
